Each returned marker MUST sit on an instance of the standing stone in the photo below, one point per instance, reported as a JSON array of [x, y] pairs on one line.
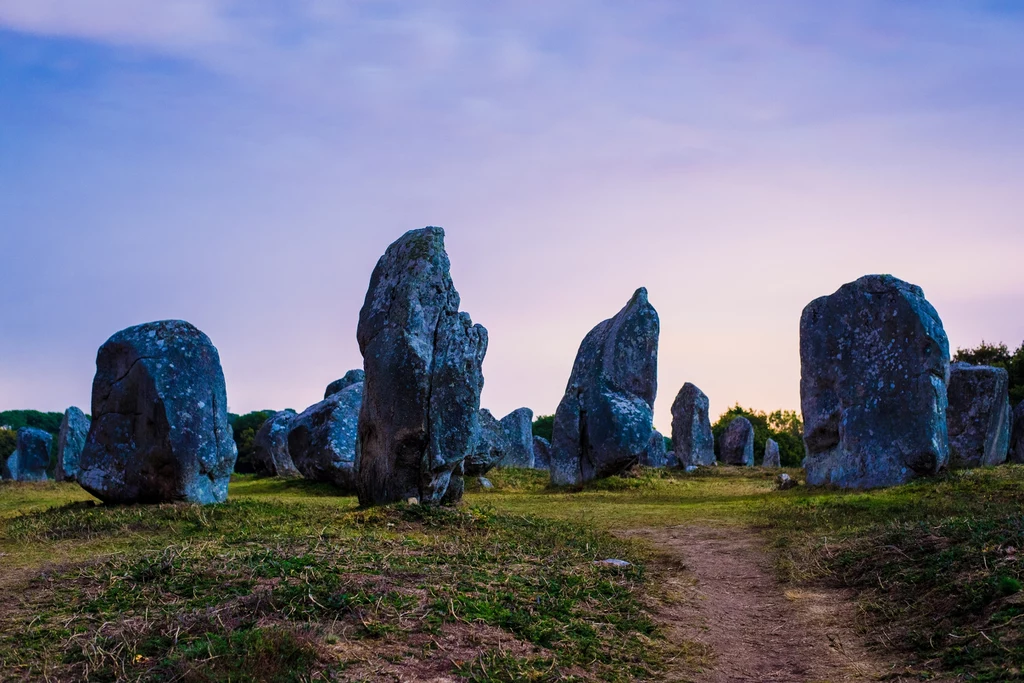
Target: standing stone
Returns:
[[656, 454], [160, 429], [74, 428], [874, 363], [270, 455], [541, 453], [518, 426], [692, 440], [322, 439], [771, 454], [351, 377], [604, 422], [978, 415], [490, 445], [31, 456], [1017, 435], [737, 447], [423, 360]]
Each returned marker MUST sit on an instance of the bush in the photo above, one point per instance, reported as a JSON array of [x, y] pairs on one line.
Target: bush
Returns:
[[244, 428], [543, 426]]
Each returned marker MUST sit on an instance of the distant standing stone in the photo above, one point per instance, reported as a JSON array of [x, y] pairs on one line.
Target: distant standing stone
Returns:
[[31, 456], [270, 454], [771, 454], [603, 424], [737, 447], [1017, 436], [322, 439], [518, 427], [692, 440], [160, 429], [489, 446], [541, 453], [874, 362], [351, 377], [978, 415], [74, 428], [656, 454], [423, 360]]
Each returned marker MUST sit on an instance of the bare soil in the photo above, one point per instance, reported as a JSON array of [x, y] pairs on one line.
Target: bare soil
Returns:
[[724, 596]]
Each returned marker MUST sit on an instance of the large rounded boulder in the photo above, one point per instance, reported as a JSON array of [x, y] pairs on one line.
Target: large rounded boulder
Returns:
[[422, 359], [74, 428], [160, 429], [604, 422], [270, 454], [874, 364], [322, 439]]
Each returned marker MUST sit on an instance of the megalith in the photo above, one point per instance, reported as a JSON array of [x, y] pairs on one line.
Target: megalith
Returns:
[[422, 359], [518, 428], [978, 416], [31, 456], [351, 377], [322, 438], [74, 428], [771, 454], [737, 446], [270, 455], [160, 429], [604, 422], [874, 363], [692, 440]]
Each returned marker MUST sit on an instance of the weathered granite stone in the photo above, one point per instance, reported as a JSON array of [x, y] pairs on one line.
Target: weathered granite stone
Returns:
[[978, 416], [1017, 435], [422, 359], [603, 424], [31, 456], [737, 446], [322, 439], [270, 455], [784, 482], [541, 453], [656, 454], [485, 483], [518, 426], [74, 428], [692, 440], [771, 454], [351, 377], [874, 363], [489, 446], [160, 427]]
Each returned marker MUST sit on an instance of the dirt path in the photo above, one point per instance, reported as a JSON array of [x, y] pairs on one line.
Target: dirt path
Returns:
[[729, 602]]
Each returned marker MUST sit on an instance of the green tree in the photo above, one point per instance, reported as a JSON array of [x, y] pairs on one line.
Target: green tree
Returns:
[[784, 426], [16, 419], [8, 442], [543, 426]]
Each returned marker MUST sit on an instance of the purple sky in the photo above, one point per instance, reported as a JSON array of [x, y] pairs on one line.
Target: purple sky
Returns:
[[242, 164]]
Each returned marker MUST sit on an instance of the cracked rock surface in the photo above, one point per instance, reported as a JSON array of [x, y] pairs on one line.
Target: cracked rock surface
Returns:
[[422, 359], [160, 429]]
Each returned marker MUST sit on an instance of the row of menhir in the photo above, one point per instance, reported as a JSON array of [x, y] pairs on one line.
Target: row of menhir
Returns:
[[880, 402]]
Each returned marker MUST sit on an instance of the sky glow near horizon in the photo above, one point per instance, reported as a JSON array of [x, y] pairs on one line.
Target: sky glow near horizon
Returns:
[[243, 164]]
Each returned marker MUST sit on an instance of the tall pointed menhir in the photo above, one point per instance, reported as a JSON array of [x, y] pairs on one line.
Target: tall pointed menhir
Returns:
[[422, 359], [605, 420]]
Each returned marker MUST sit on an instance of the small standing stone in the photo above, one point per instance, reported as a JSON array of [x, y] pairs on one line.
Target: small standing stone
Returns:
[[771, 454], [31, 457], [74, 429], [737, 447], [518, 427], [978, 415], [541, 453], [692, 439]]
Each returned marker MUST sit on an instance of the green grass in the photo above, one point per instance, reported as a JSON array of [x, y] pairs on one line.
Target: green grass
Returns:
[[286, 582], [299, 581]]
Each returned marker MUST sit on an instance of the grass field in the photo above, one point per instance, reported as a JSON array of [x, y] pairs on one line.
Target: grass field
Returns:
[[307, 586]]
